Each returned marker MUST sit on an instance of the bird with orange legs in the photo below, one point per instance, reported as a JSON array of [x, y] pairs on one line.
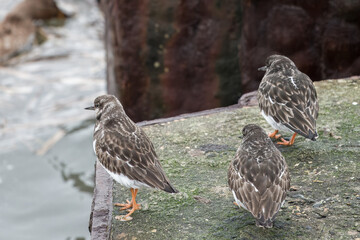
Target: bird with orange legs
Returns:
[[288, 100], [125, 152]]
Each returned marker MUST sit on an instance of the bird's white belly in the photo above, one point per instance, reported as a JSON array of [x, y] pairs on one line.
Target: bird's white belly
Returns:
[[275, 125], [124, 180]]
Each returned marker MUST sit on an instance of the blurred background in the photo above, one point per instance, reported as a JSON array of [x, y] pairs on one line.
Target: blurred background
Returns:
[[174, 56], [53, 66], [160, 58]]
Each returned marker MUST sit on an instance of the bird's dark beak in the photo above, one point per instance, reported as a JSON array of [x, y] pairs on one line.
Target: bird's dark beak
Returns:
[[90, 108], [262, 68]]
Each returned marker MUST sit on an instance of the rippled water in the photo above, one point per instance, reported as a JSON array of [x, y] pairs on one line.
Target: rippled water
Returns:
[[46, 158]]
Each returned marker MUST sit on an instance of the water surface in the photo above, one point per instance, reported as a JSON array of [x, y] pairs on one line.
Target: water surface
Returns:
[[46, 158]]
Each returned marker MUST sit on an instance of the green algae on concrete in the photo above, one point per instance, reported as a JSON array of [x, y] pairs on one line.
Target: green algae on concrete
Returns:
[[324, 201]]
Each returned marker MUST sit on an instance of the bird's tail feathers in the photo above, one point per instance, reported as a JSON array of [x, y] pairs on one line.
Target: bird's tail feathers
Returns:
[[313, 135], [264, 223], [170, 189]]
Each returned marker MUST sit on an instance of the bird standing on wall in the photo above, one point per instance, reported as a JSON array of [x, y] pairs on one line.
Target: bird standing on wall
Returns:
[[258, 176], [288, 100], [125, 151]]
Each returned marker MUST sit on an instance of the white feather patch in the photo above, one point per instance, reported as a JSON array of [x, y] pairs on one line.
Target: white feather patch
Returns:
[[94, 146], [256, 190], [238, 201], [124, 180], [272, 102], [275, 125], [282, 173], [292, 81], [97, 128]]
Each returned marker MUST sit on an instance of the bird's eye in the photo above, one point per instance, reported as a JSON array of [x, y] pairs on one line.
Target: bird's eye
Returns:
[[96, 105]]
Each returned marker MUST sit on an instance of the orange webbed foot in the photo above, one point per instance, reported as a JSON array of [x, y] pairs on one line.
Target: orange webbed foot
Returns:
[[273, 135], [124, 205], [130, 204], [277, 136], [284, 142], [134, 208], [127, 217], [287, 143]]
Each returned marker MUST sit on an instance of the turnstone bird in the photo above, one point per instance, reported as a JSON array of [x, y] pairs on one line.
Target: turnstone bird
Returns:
[[287, 99], [125, 151], [258, 176]]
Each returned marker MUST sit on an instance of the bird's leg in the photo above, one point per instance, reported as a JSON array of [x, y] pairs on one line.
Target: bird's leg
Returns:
[[288, 143], [129, 204], [133, 205], [274, 134]]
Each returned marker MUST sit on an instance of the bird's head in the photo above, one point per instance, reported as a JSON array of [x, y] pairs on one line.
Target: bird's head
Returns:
[[106, 105], [253, 130], [277, 62]]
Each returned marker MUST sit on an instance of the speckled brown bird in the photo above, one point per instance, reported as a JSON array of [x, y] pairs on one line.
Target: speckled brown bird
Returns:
[[288, 100], [258, 176], [125, 151]]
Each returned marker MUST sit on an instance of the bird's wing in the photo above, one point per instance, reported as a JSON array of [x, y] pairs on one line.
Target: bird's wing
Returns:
[[132, 154], [259, 184], [291, 101], [278, 183]]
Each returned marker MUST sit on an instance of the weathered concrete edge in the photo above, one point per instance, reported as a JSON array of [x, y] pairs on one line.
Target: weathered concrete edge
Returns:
[[102, 206], [187, 115]]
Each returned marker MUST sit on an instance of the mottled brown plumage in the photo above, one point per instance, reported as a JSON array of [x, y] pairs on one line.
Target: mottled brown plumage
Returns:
[[258, 176], [287, 98], [124, 150]]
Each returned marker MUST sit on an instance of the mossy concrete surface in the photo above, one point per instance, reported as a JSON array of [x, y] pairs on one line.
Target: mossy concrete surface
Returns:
[[324, 200]]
